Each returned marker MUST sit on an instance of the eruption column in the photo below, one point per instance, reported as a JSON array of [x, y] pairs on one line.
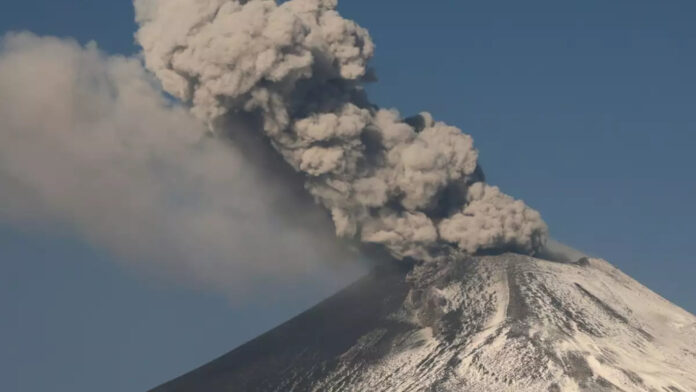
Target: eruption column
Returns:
[[412, 185]]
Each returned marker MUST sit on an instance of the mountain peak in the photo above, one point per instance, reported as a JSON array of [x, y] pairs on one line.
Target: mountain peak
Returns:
[[483, 323]]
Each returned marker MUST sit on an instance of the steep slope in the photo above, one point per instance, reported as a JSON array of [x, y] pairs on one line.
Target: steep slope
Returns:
[[487, 323]]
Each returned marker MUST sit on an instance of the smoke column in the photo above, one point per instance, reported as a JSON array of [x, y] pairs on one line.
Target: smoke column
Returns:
[[90, 143], [297, 69]]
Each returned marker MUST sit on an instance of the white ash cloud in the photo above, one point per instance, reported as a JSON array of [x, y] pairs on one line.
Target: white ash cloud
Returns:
[[89, 142], [560, 252], [412, 186]]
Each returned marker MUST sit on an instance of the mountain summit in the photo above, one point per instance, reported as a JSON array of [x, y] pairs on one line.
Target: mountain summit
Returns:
[[489, 323]]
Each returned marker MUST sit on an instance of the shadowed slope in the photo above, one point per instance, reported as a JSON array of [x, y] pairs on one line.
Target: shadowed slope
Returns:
[[307, 344]]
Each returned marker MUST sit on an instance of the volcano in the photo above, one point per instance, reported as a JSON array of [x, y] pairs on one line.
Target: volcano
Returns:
[[479, 323]]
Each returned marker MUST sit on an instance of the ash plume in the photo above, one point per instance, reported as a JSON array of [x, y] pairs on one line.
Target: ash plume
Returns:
[[298, 68], [90, 144]]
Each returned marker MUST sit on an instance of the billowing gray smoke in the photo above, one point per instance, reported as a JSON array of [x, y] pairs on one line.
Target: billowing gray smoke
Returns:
[[412, 185], [89, 143]]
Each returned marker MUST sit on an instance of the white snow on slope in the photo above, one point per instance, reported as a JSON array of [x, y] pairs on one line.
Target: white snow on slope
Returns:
[[515, 323]]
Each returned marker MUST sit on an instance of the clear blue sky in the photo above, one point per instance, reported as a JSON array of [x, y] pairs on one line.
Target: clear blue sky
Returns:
[[584, 110]]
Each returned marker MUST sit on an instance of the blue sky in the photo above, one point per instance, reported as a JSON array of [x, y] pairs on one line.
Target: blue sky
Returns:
[[585, 111]]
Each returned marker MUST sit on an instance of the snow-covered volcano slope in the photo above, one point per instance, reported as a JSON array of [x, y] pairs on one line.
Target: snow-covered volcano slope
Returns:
[[488, 323]]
